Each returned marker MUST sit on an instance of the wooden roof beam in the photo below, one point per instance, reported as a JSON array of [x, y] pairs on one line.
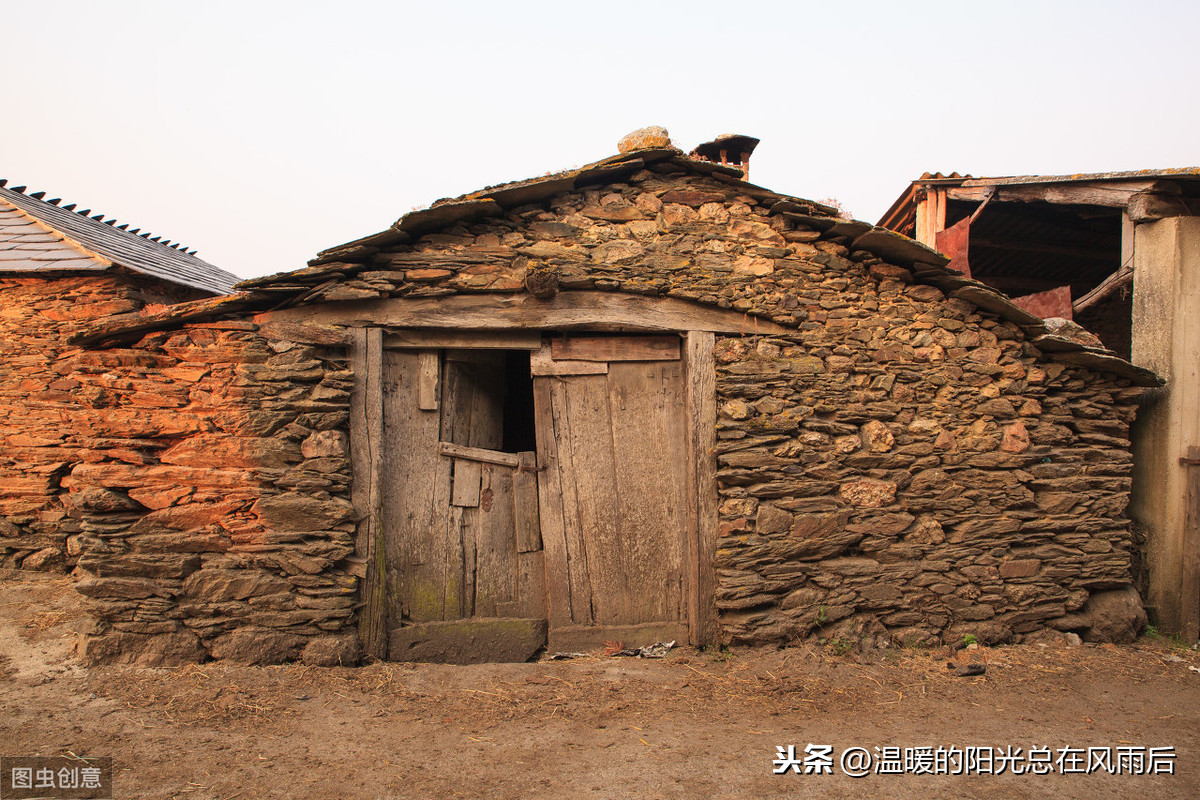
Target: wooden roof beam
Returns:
[[578, 310]]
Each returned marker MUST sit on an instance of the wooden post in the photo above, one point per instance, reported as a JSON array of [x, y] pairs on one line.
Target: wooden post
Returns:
[[701, 401], [366, 453], [1190, 578]]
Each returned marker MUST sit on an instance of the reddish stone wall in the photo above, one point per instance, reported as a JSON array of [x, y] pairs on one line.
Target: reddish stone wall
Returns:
[[40, 391], [213, 511]]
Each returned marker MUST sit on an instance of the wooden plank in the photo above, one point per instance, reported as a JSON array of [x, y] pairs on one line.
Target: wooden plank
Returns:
[[366, 410], [1115, 282], [648, 488], [580, 638], [1151, 206], [596, 543], [567, 310], [551, 505], [467, 474], [1114, 195], [531, 584], [1072, 194], [495, 543], [615, 348], [487, 401], [446, 555], [924, 232], [424, 555], [427, 380], [478, 340], [541, 363], [525, 504], [478, 454], [701, 408], [360, 452], [1189, 617], [473, 400], [463, 522]]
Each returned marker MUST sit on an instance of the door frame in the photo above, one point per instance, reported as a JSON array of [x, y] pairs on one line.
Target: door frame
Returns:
[[367, 341]]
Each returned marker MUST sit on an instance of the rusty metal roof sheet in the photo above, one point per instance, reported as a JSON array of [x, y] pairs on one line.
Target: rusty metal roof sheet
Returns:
[[38, 235]]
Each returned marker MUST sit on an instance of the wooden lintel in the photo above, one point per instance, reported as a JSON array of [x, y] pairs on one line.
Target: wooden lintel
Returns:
[[565, 311], [474, 340], [1151, 206], [970, 194], [1112, 193], [478, 454]]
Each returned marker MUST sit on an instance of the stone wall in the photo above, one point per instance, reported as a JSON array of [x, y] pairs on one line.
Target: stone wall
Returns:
[[219, 524], [40, 392], [905, 468], [904, 465]]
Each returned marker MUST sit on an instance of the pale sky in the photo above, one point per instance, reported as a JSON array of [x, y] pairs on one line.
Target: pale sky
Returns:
[[262, 132]]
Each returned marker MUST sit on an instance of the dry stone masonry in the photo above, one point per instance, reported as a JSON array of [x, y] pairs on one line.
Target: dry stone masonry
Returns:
[[913, 462], [224, 530], [58, 404]]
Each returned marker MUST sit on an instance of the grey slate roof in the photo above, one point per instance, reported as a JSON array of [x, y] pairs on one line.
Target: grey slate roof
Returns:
[[39, 236]]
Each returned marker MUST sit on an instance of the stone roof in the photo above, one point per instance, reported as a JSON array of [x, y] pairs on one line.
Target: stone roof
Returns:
[[334, 265], [38, 235]]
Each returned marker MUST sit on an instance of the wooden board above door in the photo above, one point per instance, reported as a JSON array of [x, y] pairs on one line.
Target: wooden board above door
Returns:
[[615, 348]]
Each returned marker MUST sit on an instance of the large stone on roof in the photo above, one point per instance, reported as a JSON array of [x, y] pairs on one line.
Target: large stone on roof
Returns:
[[644, 139]]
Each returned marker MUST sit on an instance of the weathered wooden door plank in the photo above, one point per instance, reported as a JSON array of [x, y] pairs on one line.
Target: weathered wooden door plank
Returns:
[[615, 348], [467, 474], [531, 584], [366, 448], [525, 504], [495, 543], [595, 543], [424, 563], [645, 404], [700, 365], [542, 363]]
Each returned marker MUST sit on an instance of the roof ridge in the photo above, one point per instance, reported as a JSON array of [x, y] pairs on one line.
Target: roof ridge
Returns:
[[87, 212]]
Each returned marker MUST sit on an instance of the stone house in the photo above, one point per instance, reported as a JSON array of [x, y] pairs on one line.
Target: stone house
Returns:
[[640, 400], [1119, 253], [62, 268]]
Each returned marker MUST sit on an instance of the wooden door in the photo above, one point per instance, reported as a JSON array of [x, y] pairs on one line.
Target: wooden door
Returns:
[[458, 513], [613, 459]]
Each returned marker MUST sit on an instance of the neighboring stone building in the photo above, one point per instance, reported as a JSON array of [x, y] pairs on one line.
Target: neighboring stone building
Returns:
[[1119, 253], [639, 400], [60, 270]]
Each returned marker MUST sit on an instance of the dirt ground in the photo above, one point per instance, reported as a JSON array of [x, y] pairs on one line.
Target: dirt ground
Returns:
[[693, 725]]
